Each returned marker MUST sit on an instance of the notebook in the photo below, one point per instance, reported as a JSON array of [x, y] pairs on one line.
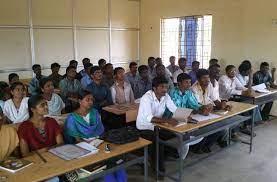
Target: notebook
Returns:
[[199, 117], [181, 115], [261, 88], [14, 165]]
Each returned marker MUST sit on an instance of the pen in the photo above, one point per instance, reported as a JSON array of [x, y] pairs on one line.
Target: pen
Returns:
[[40, 156]]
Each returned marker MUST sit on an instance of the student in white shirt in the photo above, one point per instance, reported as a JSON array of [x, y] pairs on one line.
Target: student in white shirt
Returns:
[[182, 62], [151, 109], [245, 75], [16, 108], [54, 101]]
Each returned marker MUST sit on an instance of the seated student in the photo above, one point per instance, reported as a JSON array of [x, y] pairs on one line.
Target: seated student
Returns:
[[70, 88], [213, 61], [194, 69], [245, 75], [214, 73], [86, 79], [144, 83], [121, 90], [34, 84], [54, 101], [16, 108], [102, 63], [83, 72], [160, 72], [182, 62], [108, 79], [38, 132], [263, 76], [229, 85], [159, 61], [55, 76], [5, 94], [100, 91], [151, 110], [172, 67], [132, 76], [151, 67], [13, 77], [85, 122]]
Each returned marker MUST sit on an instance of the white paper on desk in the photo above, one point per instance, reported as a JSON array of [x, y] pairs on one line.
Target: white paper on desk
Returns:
[[87, 146], [182, 114], [199, 117], [260, 88]]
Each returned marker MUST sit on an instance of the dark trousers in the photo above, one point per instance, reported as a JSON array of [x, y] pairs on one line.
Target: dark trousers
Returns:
[[266, 109], [210, 140]]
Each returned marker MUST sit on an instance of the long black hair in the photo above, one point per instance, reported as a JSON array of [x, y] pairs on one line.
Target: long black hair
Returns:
[[33, 101]]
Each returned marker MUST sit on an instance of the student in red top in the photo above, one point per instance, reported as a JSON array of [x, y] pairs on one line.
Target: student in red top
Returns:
[[38, 132]]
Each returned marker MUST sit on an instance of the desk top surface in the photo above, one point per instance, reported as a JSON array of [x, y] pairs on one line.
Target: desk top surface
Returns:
[[237, 108], [257, 95], [121, 109], [55, 166]]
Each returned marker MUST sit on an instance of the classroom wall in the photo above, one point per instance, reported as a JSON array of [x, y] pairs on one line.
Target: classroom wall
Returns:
[[44, 31]]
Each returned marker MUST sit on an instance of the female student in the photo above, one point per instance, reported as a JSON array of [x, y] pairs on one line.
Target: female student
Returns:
[[38, 132], [54, 101], [85, 122], [16, 108]]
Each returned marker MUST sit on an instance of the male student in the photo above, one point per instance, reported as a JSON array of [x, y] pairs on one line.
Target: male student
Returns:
[[194, 69], [73, 63], [213, 61], [108, 78], [182, 62], [263, 76], [55, 76], [34, 87], [144, 83], [172, 67], [83, 72], [151, 109], [132, 76], [86, 80], [151, 67], [13, 77], [161, 72], [102, 63]]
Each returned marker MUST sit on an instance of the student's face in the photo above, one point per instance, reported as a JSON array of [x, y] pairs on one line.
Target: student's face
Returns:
[[18, 92], [97, 75], [48, 88], [37, 71], [120, 75], [74, 64], [88, 70], [185, 84], [144, 74], [109, 69], [87, 102], [195, 67], [213, 62], [231, 72], [102, 64], [71, 73], [204, 80], [265, 69], [55, 70], [172, 60], [41, 109], [151, 63], [159, 61], [182, 64], [215, 72], [86, 61], [160, 71], [14, 79], [161, 90], [134, 69]]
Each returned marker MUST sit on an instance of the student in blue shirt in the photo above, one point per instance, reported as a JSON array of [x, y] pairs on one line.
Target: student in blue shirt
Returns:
[[192, 73], [86, 79]]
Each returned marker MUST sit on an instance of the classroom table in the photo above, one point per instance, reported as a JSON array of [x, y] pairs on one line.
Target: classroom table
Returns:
[[203, 129], [258, 98], [56, 166], [129, 110]]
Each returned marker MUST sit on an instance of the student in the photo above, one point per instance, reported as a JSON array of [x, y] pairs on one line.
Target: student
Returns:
[[132, 76], [16, 108], [151, 109], [172, 67], [70, 89], [245, 75], [34, 84], [38, 132], [192, 73], [86, 79], [85, 122], [100, 91], [213, 61], [214, 73], [121, 90], [160, 72], [159, 61], [182, 62], [55, 76], [73, 63], [84, 72], [144, 83], [5, 94], [108, 79], [102, 63], [151, 67], [263, 76], [13, 77], [54, 101], [229, 85]]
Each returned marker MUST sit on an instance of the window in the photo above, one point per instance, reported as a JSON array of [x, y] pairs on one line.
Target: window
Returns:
[[188, 37]]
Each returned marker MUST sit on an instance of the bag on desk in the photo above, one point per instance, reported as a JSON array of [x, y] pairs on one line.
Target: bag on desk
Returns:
[[122, 135]]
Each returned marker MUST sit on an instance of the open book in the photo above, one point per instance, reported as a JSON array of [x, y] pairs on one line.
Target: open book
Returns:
[[14, 165]]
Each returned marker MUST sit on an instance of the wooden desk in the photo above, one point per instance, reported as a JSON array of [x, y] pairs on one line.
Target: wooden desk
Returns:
[[202, 129], [129, 110], [259, 98], [55, 166]]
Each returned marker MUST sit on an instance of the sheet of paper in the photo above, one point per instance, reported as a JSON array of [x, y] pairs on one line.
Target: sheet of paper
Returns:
[[182, 114], [87, 146], [199, 117], [261, 88]]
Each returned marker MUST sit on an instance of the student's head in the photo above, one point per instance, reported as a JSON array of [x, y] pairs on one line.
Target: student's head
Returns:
[[37, 106], [96, 73], [203, 77], [87, 67], [158, 60], [73, 63], [37, 69], [108, 69], [213, 61], [184, 81], [102, 63], [119, 73], [214, 71], [133, 67], [55, 67], [143, 71], [230, 71], [13, 77], [160, 70], [245, 68], [17, 90], [182, 62], [5, 92], [172, 60], [160, 86], [195, 65], [264, 67], [46, 86], [85, 61], [86, 100], [151, 62], [71, 72]]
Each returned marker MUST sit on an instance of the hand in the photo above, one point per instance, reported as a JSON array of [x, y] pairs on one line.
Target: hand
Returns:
[[273, 70], [251, 73], [172, 122], [205, 110], [247, 92], [228, 107], [223, 105]]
